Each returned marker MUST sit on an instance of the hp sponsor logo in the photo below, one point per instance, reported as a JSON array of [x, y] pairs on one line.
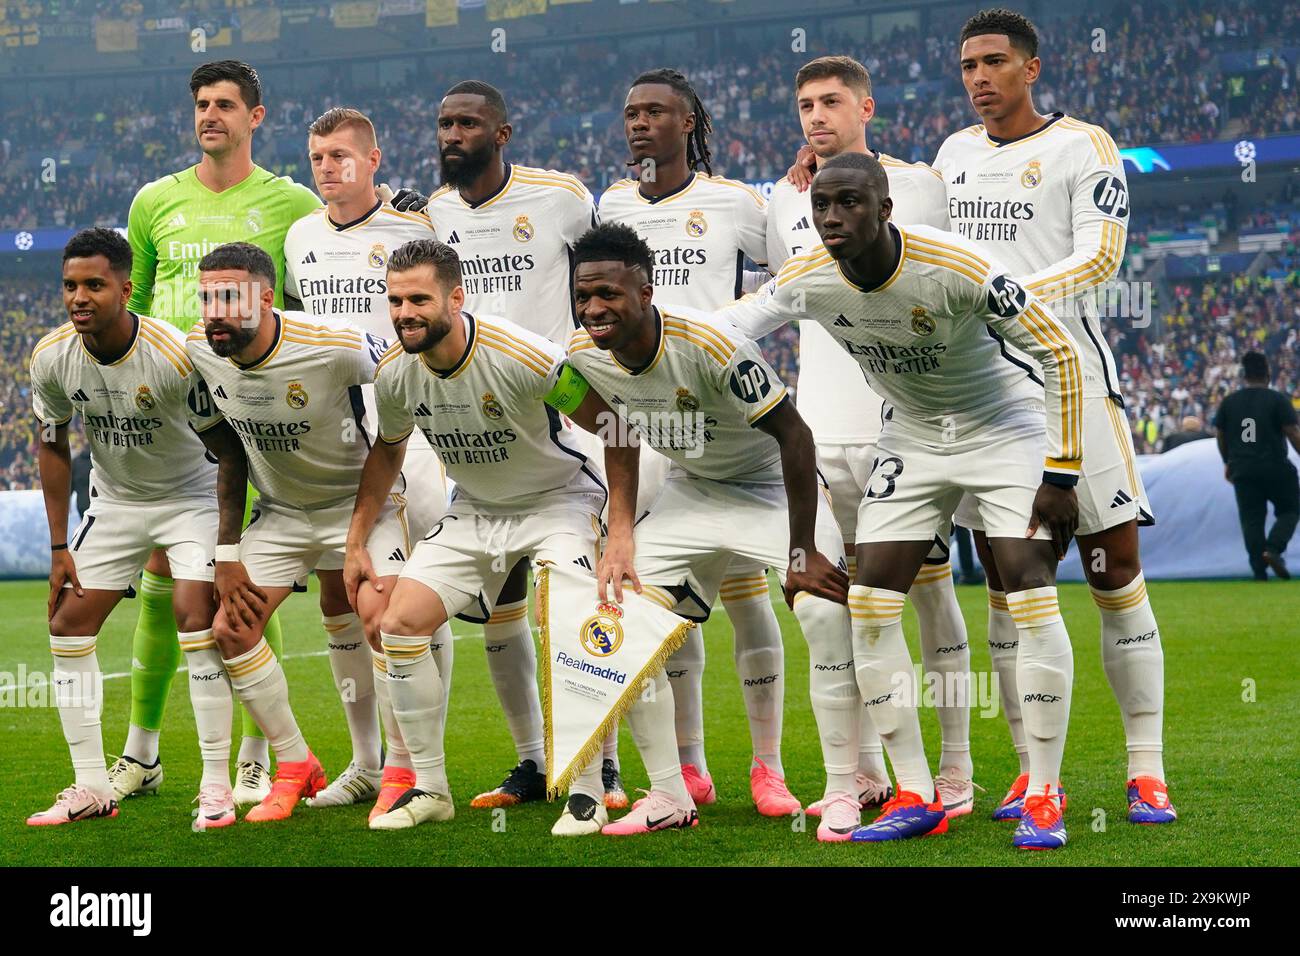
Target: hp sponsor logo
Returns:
[[1111, 197]]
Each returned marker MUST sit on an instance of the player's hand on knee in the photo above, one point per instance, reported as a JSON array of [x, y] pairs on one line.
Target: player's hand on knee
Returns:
[[243, 601], [815, 573], [801, 173], [1057, 508], [357, 568], [615, 566], [62, 570]]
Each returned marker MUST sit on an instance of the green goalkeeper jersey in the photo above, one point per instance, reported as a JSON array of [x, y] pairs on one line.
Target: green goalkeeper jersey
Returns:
[[175, 221]]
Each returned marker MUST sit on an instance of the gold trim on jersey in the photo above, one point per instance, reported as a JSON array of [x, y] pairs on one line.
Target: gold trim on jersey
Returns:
[[392, 352], [465, 359], [887, 160], [1051, 335], [777, 398], [398, 440], [418, 217], [580, 339], [274, 350], [903, 256], [302, 333], [505, 188], [942, 248], [506, 348], [528, 349], [1028, 138], [796, 266], [53, 338], [719, 341], [659, 348], [150, 329], [1091, 272], [945, 261], [1123, 438], [135, 342], [541, 177], [1101, 140], [400, 502]]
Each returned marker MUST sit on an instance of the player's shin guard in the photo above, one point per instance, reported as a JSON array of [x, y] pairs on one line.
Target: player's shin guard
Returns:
[[1004, 650], [760, 662], [871, 752], [354, 679], [651, 721], [888, 683], [259, 683], [210, 697], [1044, 678], [512, 662], [395, 753], [1134, 661], [419, 706], [79, 695], [685, 670], [832, 687], [155, 656], [945, 659]]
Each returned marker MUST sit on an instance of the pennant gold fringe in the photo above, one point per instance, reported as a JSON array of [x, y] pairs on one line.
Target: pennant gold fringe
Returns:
[[556, 786]]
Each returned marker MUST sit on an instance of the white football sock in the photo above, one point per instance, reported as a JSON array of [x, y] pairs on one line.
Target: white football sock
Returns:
[[254, 750], [353, 671], [589, 782], [1044, 678], [760, 662], [1004, 649], [512, 661], [1134, 661], [395, 753], [610, 751], [945, 659], [442, 648], [419, 706], [871, 752], [259, 683], [651, 721], [832, 687], [685, 670], [888, 683], [141, 745], [214, 707], [79, 695]]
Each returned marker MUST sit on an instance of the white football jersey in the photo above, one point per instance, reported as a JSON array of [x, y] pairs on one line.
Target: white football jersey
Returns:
[[698, 399], [700, 234], [341, 271], [929, 339], [833, 395], [514, 246], [506, 449], [298, 408], [141, 413], [1053, 207]]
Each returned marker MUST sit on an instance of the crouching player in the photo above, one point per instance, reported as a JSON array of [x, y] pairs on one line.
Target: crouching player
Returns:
[[148, 418]]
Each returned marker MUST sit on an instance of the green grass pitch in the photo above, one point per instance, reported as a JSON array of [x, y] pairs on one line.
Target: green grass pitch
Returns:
[[1231, 682]]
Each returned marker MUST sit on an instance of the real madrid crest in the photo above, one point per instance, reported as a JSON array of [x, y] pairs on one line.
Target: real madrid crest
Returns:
[[922, 324], [378, 257], [523, 230], [254, 220], [696, 226], [144, 398], [686, 402], [602, 633], [296, 396], [1032, 176], [491, 407]]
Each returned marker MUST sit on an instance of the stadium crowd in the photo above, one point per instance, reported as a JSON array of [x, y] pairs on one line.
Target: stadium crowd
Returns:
[[1156, 80]]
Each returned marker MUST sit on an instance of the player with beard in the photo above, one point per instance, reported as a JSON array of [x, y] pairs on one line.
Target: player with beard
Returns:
[[700, 228], [1047, 195], [513, 228]]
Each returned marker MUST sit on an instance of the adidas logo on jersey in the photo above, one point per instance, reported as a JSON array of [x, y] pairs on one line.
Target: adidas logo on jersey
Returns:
[[422, 409], [178, 220], [960, 180], [220, 392], [397, 555], [80, 396], [583, 562], [842, 322], [1121, 499], [309, 259], [453, 237], [801, 224]]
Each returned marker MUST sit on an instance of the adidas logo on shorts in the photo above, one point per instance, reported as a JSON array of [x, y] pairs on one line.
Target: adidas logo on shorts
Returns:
[[583, 562], [1121, 499], [397, 555]]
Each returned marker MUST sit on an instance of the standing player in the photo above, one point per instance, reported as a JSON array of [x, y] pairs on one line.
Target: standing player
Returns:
[[152, 487], [336, 259], [1047, 195], [915, 308], [513, 228], [173, 223], [833, 96], [489, 395], [292, 391], [700, 227], [697, 391]]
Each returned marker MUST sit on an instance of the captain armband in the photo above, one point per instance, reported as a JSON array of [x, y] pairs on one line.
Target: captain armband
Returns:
[[569, 391]]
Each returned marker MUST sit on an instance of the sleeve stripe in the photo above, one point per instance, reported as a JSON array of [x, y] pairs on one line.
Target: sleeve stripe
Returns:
[[304, 328], [954, 264], [1093, 272], [1045, 329], [163, 341], [58, 335], [701, 329], [399, 438], [580, 339], [942, 248], [698, 341], [1101, 140], [580, 345], [801, 265], [181, 369], [323, 343], [554, 183], [776, 400], [517, 356], [420, 218], [387, 360], [501, 335]]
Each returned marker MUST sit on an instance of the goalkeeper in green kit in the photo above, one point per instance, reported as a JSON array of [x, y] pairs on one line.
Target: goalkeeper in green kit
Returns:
[[174, 222]]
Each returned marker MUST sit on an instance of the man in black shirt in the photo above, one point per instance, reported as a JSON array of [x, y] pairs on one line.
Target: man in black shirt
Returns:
[[1191, 430], [1254, 425]]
